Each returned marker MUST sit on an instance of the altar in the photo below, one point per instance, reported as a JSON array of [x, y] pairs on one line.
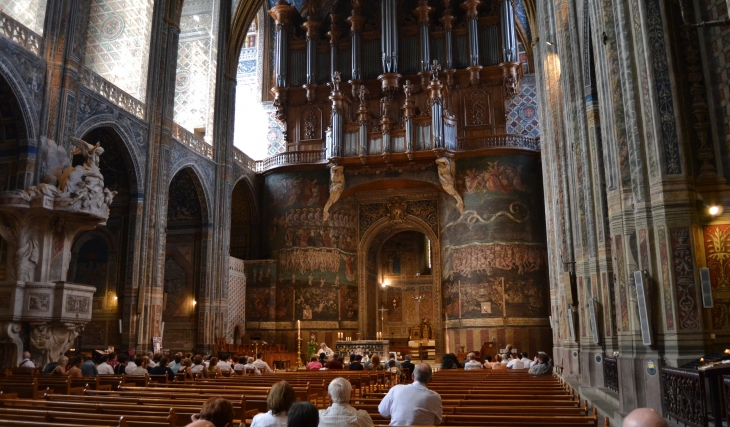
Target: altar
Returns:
[[379, 347], [422, 339]]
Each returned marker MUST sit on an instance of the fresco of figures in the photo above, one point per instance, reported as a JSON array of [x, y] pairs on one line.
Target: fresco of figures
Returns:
[[316, 260], [717, 252], [494, 256]]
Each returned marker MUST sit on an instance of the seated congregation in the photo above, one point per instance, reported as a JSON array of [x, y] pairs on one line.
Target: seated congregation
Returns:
[[245, 391]]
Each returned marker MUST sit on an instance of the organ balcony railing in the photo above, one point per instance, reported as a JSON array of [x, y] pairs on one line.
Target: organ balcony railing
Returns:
[[20, 34], [113, 93]]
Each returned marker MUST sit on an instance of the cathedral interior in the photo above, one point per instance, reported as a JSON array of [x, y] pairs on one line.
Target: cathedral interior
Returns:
[[470, 173]]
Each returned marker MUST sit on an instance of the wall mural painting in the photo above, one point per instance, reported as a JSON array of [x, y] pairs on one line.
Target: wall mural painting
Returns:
[[494, 253], [92, 264], [184, 198], [261, 291], [717, 252], [622, 307], [316, 260], [666, 281]]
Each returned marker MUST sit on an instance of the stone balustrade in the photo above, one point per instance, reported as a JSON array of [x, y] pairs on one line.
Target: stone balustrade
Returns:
[[113, 93], [20, 34], [191, 140]]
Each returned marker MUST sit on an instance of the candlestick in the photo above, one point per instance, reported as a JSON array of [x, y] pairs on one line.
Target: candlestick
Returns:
[[299, 329]]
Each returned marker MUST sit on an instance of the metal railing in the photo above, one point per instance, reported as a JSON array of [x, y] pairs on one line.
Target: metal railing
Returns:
[[610, 374], [683, 396], [20, 34], [191, 140], [291, 158], [498, 141], [113, 93]]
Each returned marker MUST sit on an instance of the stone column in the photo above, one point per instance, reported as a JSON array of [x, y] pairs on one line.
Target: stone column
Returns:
[[471, 7], [422, 12], [338, 102], [409, 112], [447, 20], [282, 13], [436, 101], [356, 21], [312, 28]]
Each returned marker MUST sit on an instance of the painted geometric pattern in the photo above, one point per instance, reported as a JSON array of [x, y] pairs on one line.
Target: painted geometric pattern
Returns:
[[236, 296], [522, 115], [30, 13], [195, 74], [117, 43]]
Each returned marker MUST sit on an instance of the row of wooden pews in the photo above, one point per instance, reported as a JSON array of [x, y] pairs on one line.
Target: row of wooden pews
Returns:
[[470, 398]]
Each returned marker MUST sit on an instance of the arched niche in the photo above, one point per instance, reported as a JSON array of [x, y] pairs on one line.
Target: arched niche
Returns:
[[184, 260], [105, 257], [13, 136], [368, 275], [244, 221]]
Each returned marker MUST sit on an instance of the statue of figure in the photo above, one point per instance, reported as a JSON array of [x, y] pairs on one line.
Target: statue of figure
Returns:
[[336, 79], [337, 186], [426, 330], [446, 177], [361, 92], [408, 89], [435, 68]]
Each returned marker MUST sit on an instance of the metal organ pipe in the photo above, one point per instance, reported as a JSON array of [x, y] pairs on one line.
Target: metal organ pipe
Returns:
[[389, 36], [509, 37]]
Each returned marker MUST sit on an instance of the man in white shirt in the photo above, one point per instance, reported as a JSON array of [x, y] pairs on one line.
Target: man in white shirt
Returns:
[[525, 360], [104, 368], [261, 365], [152, 363], [27, 363], [341, 414], [514, 362], [130, 366], [224, 364], [413, 404], [249, 366], [472, 363]]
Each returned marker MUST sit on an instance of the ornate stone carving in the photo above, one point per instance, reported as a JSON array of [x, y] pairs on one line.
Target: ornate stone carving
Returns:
[[337, 185], [446, 177], [397, 210]]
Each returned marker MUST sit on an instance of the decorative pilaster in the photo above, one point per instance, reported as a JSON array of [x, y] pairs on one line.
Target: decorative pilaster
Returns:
[[447, 20], [337, 99], [422, 12], [363, 117], [282, 13], [471, 7], [510, 61], [386, 126], [409, 112], [436, 101], [356, 21]]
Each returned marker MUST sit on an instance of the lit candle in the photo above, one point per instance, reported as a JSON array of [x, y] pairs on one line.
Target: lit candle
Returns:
[[299, 329], [702, 360]]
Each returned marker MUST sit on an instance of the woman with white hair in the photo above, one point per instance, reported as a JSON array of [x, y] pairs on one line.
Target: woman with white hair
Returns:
[[341, 414]]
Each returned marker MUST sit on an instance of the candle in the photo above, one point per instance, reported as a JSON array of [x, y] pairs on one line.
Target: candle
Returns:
[[299, 329]]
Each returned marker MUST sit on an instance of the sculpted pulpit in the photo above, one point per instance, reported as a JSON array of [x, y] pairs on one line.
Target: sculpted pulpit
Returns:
[[39, 224]]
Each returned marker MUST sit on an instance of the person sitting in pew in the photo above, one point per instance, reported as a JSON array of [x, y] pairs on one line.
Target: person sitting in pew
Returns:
[[162, 369], [61, 366], [263, 366], [335, 363], [472, 362], [224, 363], [26, 363], [141, 363], [198, 366], [487, 362], [88, 368], [249, 366], [104, 367], [216, 412], [121, 367], [238, 368], [314, 364], [644, 417], [341, 414], [525, 360], [75, 371], [303, 414], [413, 404], [280, 399], [514, 362], [130, 365], [407, 363], [213, 370], [542, 368], [355, 364], [499, 362], [176, 365]]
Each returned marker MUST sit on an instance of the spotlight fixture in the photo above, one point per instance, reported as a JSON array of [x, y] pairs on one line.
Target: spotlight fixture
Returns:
[[714, 210]]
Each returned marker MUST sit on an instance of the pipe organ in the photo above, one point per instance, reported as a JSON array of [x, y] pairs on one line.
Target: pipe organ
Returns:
[[404, 85]]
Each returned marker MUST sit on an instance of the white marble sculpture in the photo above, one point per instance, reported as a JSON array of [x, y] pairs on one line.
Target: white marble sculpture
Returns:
[[446, 177], [337, 186]]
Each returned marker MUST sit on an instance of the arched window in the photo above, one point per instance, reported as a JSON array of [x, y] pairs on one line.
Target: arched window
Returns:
[[255, 132], [118, 43], [196, 65], [30, 13]]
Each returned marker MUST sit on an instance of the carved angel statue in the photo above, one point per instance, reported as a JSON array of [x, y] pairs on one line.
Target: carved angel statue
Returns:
[[337, 186], [435, 68], [446, 177], [361, 92], [336, 79], [408, 88]]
